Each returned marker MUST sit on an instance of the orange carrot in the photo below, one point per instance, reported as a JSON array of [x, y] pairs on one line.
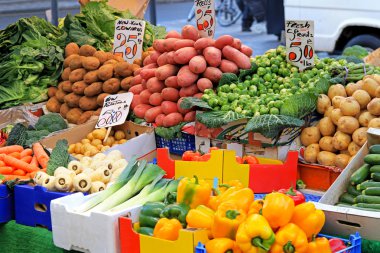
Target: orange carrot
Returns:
[[15, 155], [2, 163], [34, 161], [11, 149], [18, 164], [26, 152], [12, 177], [41, 155], [6, 170], [44, 169], [19, 172], [27, 159]]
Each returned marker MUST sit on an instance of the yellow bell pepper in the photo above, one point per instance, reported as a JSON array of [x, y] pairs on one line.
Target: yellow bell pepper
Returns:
[[222, 245], [319, 245], [227, 219], [290, 239], [200, 217], [193, 192], [278, 209], [256, 206], [308, 218], [243, 197], [233, 183], [255, 235], [167, 229]]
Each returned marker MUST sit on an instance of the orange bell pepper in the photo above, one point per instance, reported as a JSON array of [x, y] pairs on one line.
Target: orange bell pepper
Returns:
[[278, 209], [193, 192], [319, 245], [167, 229], [222, 245], [243, 197], [256, 207], [290, 239], [308, 218], [200, 217]]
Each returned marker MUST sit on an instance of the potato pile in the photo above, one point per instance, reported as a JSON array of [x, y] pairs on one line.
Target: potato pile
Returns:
[[348, 113], [183, 65], [94, 143], [88, 77]]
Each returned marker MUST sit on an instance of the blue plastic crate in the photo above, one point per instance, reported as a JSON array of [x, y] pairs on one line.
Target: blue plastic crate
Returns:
[[6, 204], [308, 197], [32, 205], [177, 146]]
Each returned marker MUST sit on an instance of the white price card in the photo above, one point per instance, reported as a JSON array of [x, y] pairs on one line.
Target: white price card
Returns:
[[205, 17], [115, 110], [300, 43], [128, 39]]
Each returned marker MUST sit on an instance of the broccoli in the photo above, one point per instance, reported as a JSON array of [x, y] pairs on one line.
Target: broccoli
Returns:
[[51, 122], [58, 157], [35, 135], [356, 50]]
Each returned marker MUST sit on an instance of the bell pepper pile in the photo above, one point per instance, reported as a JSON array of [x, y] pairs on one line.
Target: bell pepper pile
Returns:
[[236, 222], [197, 156]]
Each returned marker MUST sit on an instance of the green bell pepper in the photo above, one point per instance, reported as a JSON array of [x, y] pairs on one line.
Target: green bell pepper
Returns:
[[145, 231], [150, 214], [176, 211]]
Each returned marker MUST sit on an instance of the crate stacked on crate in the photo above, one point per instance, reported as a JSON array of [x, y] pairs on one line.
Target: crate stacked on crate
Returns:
[[6, 204]]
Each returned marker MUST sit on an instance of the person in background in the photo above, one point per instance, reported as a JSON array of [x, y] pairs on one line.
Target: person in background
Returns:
[[253, 13]]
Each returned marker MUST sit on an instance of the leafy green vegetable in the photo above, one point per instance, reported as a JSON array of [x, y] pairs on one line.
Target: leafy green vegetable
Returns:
[[33, 136], [216, 119], [190, 102], [228, 78], [51, 122], [357, 51], [170, 132], [18, 135], [270, 125], [59, 157], [299, 105], [247, 72], [322, 86]]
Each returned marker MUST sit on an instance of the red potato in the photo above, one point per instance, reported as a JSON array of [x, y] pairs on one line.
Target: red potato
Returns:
[[147, 60], [158, 45], [189, 117], [236, 44], [234, 55], [144, 83], [189, 91], [137, 72], [140, 110], [202, 43], [152, 113], [154, 56], [168, 107], [190, 32], [214, 74], [172, 82], [213, 56], [155, 85], [159, 119], [162, 60], [170, 58], [186, 77], [172, 119], [183, 43], [170, 94], [144, 96], [166, 71], [180, 109], [150, 66], [136, 80], [246, 50], [155, 99], [223, 41], [227, 66], [173, 34], [147, 73], [135, 101], [198, 64], [184, 55], [137, 89], [198, 95], [169, 44], [203, 84]]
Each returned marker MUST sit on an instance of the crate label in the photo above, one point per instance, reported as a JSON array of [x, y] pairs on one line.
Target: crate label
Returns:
[[128, 39], [300, 43], [115, 110], [205, 17]]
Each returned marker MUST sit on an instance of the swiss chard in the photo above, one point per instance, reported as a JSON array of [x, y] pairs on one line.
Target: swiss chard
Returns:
[[214, 119]]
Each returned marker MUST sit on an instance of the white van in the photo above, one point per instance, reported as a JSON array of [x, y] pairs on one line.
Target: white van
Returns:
[[339, 23]]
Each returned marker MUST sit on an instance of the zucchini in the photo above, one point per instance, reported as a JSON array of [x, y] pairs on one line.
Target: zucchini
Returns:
[[366, 184], [372, 191], [347, 198], [374, 169], [343, 204], [367, 199], [367, 205], [360, 174], [373, 159], [352, 190], [374, 149], [376, 176]]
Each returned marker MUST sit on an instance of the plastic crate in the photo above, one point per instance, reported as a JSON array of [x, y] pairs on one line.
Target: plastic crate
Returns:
[[6, 204], [317, 177], [354, 244], [32, 205], [177, 146], [308, 197]]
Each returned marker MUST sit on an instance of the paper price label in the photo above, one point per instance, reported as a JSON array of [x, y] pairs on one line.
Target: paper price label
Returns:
[[300, 43], [128, 39], [115, 110], [205, 17]]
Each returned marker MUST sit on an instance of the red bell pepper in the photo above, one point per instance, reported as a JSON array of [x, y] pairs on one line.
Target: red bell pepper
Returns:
[[336, 245], [250, 160], [297, 196], [190, 156], [239, 159]]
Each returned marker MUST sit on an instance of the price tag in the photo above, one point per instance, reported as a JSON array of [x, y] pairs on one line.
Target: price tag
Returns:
[[205, 17], [128, 39], [300, 43], [115, 110]]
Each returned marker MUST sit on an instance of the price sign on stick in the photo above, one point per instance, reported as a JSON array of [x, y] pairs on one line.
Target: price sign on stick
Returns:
[[128, 39], [115, 110], [205, 17], [300, 43]]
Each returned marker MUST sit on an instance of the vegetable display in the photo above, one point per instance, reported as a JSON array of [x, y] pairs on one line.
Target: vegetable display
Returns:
[[197, 156]]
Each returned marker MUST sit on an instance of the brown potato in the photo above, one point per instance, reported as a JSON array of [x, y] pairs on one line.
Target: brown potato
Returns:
[[76, 63], [88, 103], [111, 86], [326, 158], [323, 103], [328, 111], [52, 91], [53, 105], [349, 107], [341, 140], [112, 62], [66, 86], [91, 77], [118, 58], [326, 144], [353, 148], [362, 97], [375, 123], [135, 67], [93, 89], [342, 160], [137, 62], [100, 98], [90, 63], [374, 107], [67, 61], [110, 56], [77, 75], [310, 135], [335, 115], [105, 72], [72, 100], [348, 124], [71, 48], [98, 111], [102, 56], [73, 115], [122, 69], [79, 87], [60, 95], [311, 153], [360, 136], [87, 50], [326, 127], [365, 117], [65, 74], [126, 83], [64, 109], [336, 90], [85, 117]]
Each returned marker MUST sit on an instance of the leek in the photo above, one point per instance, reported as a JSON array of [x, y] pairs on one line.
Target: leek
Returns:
[[124, 177], [144, 175]]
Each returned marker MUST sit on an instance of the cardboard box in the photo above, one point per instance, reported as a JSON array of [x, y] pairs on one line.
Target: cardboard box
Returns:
[[136, 7], [345, 220]]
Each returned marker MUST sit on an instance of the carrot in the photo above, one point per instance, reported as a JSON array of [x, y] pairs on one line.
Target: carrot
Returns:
[[18, 164], [41, 155], [6, 170], [12, 177], [27, 159], [11, 149], [34, 161], [2, 163], [15, 155], [19, 172], [44, 169], [26, 152], [31, 174]]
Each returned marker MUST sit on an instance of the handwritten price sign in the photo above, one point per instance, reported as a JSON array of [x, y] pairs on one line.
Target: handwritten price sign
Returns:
[[115, 110], [300, 43], [128, 39], [205, 17]]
